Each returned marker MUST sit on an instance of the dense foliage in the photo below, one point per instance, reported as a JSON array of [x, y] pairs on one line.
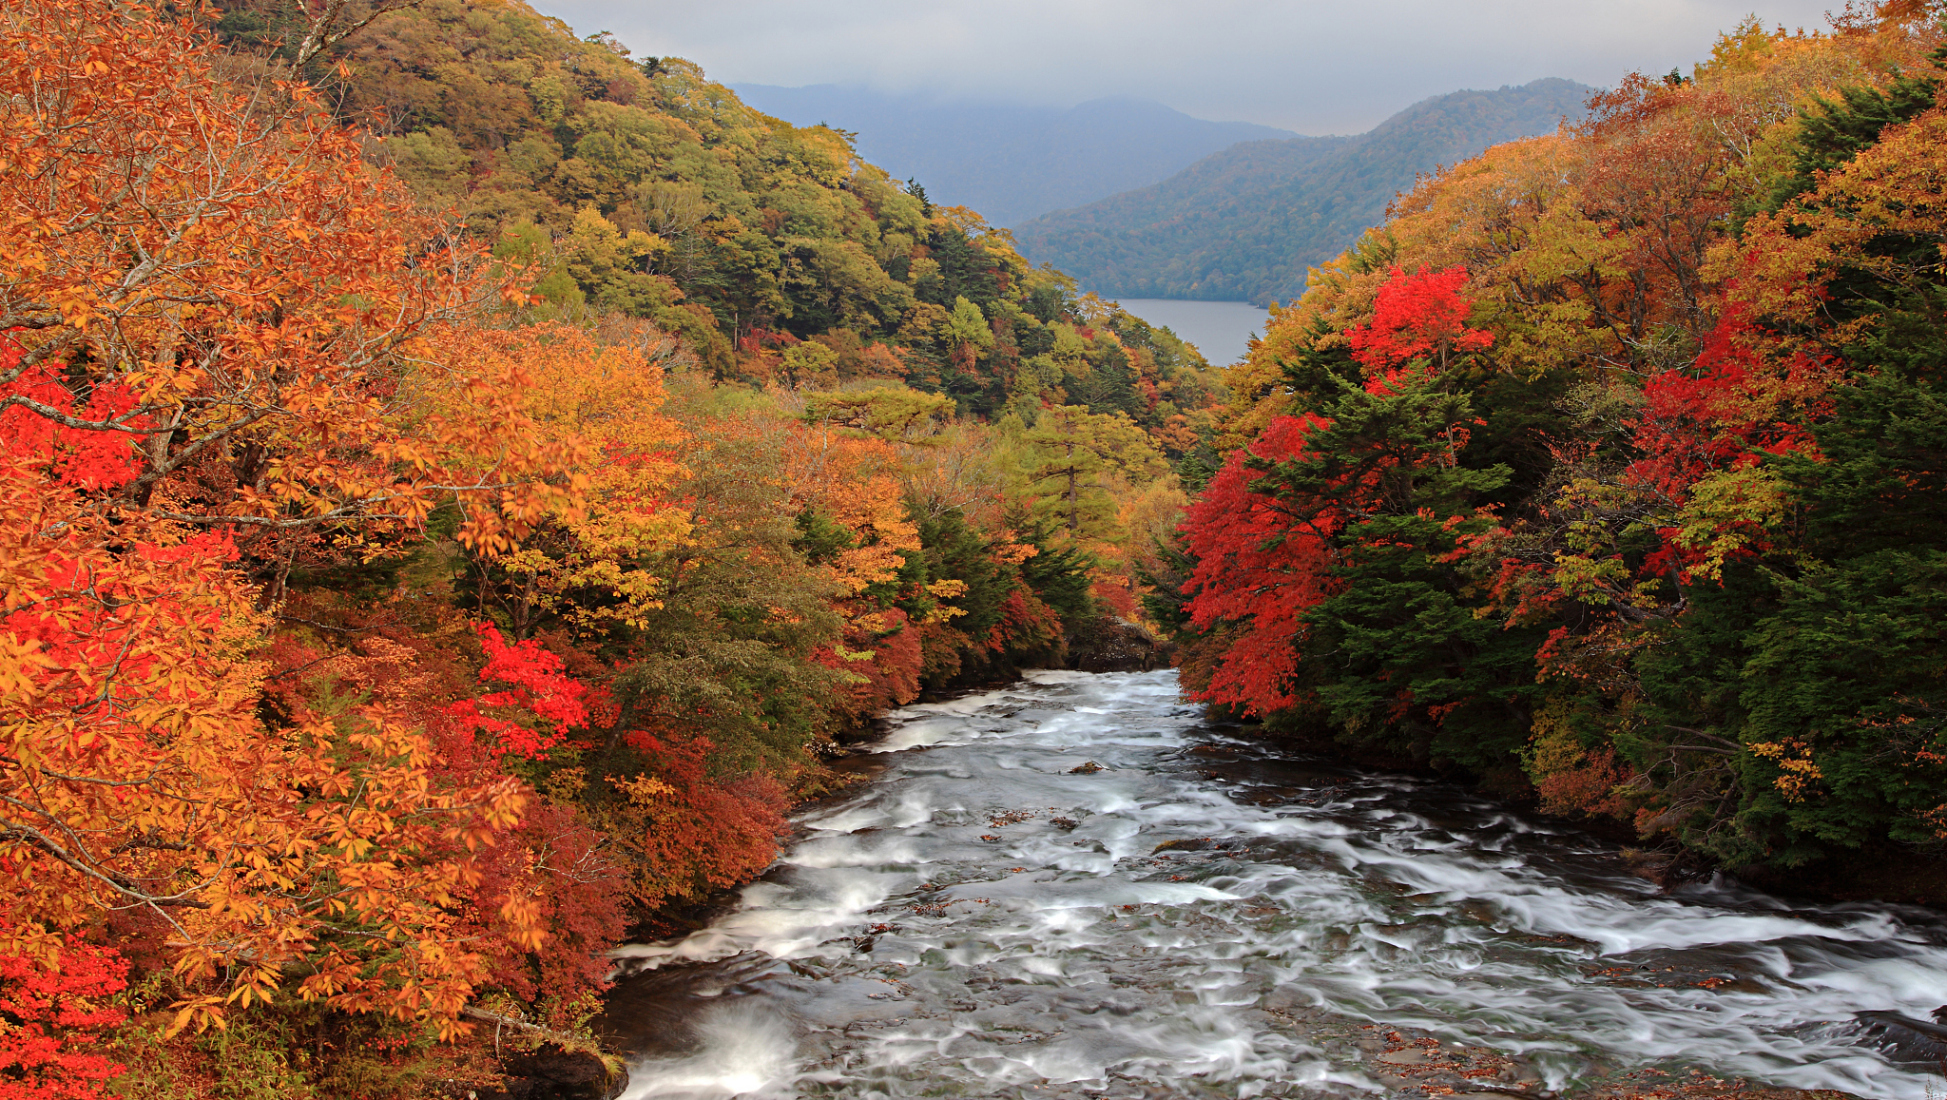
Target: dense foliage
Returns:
[[1248, 222], [430, 553], [1612, 465], [774, 251], [398, 608]]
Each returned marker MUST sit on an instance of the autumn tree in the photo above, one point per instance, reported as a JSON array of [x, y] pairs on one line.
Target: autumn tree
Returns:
[[1079, 454], [1257, 566], [221, 286], [577, 565], [138, 776], [1423, 317], [222, 329], [57, 1016], [1839, 705]]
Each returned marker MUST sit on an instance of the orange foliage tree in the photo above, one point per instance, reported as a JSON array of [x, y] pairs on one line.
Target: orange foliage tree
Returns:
[[237, 308], [138, 775], [223, 327]]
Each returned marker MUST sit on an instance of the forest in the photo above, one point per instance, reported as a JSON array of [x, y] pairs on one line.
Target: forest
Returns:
[[464, 484], [1608, 471], [461, 484]]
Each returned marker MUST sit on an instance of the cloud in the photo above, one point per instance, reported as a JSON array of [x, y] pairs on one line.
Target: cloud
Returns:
[[1314, 66]]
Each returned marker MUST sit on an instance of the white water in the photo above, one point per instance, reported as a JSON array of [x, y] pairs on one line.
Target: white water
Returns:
[[920, 940]]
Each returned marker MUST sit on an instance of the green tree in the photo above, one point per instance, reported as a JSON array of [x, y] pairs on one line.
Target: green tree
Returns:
[[1081, 454], [1398, 655]]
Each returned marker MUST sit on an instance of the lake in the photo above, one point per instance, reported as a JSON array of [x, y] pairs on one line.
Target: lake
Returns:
[[1220, 330]]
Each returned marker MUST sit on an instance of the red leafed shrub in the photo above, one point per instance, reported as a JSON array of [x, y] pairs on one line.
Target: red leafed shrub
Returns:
[[695, 832], [1587, 786], [1728, 409], [555, 872], [891, 674], [1026, 624], [51, 1019], [537, 687], [1116, 598], [1735, 405]]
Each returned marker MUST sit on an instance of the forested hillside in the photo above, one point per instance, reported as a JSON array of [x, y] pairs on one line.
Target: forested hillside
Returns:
[[1610, 468], [1011, 162], [1247, 223], [459, 483], [637, 186]]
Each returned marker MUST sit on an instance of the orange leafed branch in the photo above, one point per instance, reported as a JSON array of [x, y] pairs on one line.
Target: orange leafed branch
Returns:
[[241, 308]]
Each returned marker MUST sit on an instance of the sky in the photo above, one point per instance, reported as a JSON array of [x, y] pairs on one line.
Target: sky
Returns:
[[1311, 66]]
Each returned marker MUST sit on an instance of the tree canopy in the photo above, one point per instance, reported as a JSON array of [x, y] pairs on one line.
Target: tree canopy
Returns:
[[1608, 467]]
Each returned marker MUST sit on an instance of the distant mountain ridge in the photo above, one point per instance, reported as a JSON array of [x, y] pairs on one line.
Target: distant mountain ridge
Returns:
[[1245, 224], [1010, 162]]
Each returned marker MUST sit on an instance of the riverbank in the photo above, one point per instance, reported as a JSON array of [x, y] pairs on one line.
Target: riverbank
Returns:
[[1874, 873]]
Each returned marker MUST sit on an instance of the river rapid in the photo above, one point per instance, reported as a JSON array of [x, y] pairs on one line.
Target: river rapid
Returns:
[[1078, 887]]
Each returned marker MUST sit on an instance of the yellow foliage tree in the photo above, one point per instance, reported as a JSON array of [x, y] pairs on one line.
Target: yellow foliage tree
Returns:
[[605, 398]]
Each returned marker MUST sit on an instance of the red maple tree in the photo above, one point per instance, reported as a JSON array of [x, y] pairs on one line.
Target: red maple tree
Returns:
[[1422, 316], [51, 1018], [1259, 566]]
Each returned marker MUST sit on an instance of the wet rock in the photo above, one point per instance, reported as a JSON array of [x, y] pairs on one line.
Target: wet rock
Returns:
[[1407, 1057], [1655, 1085], [1284, 999], [1905, 1039], [1670, 870], [1413, 1060], [555, 1073], [1115, 645], [1089, 768]]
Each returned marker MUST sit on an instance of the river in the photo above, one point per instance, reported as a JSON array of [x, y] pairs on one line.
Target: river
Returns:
[[1079, 887]]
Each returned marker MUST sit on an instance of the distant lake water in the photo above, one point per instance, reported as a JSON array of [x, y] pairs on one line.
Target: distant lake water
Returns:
[[1220, 330]]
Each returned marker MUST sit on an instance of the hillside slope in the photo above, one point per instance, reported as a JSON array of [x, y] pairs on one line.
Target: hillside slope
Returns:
[[1011, 163], [1247, 222], [640, 188]]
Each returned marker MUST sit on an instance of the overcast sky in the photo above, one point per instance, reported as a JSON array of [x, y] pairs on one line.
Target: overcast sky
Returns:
[[1314, 66]]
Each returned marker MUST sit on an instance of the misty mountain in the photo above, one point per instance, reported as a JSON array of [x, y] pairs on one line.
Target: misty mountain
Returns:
[[1010, 162], [1245, 223]]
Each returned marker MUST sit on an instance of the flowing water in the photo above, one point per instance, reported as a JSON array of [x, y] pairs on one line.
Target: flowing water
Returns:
[[991, 915]]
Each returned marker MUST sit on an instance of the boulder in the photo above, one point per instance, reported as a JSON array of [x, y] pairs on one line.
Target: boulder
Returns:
[[552, 1072], [1905, 1039], [1115, 645]]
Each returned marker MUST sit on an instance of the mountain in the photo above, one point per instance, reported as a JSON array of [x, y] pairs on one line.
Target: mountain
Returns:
[[1245, 223], [1010, 162]]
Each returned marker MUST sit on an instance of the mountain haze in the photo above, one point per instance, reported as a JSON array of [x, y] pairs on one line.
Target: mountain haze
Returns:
[[1247, 222], [1011, 162]]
